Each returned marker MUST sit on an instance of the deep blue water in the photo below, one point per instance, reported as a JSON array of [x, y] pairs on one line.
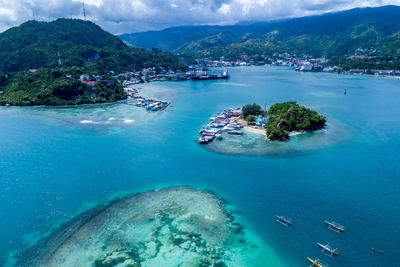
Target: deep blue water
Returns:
[[50, 169]]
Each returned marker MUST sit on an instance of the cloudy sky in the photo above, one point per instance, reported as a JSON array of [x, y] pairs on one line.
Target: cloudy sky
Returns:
[[126, 16]]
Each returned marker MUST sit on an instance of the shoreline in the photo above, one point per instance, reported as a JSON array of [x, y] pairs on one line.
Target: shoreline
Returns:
[[261, 131], [65, 106]]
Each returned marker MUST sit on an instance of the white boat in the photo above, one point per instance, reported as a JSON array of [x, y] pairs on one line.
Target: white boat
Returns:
[[329, 249], [283, 220]]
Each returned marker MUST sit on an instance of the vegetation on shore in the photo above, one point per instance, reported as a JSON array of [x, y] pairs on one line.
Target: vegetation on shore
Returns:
[[372, 32], [289, 116], [55, 87], [251, 111], [56, 53], [34, 45]]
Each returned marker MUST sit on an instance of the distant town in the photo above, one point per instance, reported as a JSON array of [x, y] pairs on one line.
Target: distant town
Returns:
[[303, 63], [205, 68]]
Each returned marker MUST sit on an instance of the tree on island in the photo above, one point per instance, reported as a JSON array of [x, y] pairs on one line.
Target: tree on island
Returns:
[[289, 116], [253, 109], [251, 119]]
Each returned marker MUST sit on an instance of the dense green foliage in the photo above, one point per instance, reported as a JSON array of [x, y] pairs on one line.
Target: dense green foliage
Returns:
[[251, 119], [252, 109], [376, 63], [368, 31], [84, 48], [58, 87], [289, 116], [80, 43]]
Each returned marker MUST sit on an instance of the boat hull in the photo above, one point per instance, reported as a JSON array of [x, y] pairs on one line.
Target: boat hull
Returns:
[[204, 78]]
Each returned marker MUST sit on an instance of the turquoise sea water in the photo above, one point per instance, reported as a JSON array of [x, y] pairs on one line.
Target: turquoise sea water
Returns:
[[52, 166]]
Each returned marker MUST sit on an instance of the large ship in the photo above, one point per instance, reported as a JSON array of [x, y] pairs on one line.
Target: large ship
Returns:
[[209, 76]]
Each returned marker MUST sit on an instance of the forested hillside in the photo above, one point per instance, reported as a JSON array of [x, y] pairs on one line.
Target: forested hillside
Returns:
[[80, 43], [367, 31]]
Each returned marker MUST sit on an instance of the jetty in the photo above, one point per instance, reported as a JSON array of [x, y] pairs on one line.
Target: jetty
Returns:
[[148, 103], [223, 122]]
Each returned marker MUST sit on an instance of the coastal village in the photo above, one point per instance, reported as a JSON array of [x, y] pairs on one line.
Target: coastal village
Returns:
[[230, 122], [278, 123], [305, 63], [204, 69], [195, 73]]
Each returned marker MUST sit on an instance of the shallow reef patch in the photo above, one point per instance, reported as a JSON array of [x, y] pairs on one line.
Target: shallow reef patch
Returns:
[[175, 226]]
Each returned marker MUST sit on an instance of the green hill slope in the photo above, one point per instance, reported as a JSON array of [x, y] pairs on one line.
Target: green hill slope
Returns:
[[372, 31], [84, 48], [80, 43]]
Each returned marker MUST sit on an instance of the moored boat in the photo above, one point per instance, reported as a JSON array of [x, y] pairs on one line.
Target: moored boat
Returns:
[[218, 136], [334, 226], [237, 132], [205, 139], [283, 220], [329, 249], [377, 250], [316, 262], [210, 77], [202, 140]]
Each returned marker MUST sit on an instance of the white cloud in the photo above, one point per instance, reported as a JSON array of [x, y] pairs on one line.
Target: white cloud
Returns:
[[7, 14], [95, 3], [225, 9], [120, 16]]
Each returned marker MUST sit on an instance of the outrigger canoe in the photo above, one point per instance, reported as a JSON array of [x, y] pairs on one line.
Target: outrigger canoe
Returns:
[[334, 226], [317, 263]]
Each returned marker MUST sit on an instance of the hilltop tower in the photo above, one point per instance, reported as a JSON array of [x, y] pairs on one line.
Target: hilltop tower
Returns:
[[84, 11]]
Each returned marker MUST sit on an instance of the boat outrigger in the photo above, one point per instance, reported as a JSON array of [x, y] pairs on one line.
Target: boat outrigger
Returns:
[[317, 263], [283, 220], [334, 226], [329, 249]]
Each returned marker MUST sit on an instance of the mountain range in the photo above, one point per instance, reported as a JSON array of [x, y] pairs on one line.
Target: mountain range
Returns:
[[367, 31]]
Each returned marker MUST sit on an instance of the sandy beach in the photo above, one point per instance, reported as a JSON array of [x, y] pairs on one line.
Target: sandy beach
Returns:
[[259, 130], [252, 129]]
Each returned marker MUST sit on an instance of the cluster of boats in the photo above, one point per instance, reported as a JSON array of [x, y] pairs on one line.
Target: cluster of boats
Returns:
[[149, 104], [334, 226], [223, 122]]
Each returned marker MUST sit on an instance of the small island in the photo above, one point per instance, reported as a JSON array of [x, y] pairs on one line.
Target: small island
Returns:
[[281, 121], [289, 117]]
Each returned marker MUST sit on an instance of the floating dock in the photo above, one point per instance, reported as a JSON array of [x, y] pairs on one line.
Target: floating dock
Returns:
[[224, 121]]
